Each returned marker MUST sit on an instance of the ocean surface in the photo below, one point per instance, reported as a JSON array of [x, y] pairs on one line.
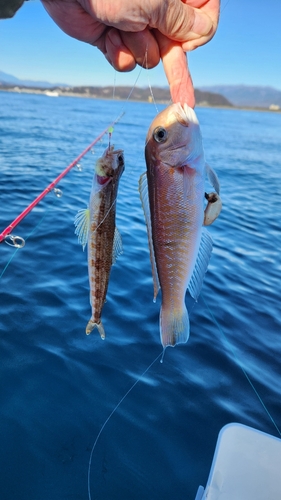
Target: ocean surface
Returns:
[[58, 386]]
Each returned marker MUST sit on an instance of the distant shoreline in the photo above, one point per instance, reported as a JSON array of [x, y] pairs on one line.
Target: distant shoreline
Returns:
[[59, 92]]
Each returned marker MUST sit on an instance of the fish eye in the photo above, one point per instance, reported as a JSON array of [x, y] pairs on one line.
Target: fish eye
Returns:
[[160, 134], [120, 159]]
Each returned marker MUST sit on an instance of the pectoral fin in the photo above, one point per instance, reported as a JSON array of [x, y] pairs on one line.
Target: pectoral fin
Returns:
[[201, 265], [82, 226], [117, 246], [143, 189], [213, 178]]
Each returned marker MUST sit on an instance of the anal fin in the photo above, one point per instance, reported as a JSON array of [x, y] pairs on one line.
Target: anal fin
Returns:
[[117, 246], [201, 264]]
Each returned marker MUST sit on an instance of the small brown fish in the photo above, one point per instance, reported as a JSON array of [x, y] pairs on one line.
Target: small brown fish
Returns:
[[173, 193], [95, 226]]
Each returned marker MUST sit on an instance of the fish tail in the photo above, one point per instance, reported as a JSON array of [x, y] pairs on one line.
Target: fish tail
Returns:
[[174, 326], [92, 324]]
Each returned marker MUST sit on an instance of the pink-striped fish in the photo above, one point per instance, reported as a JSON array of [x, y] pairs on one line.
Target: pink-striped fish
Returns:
[[95, 226], [173, 196]]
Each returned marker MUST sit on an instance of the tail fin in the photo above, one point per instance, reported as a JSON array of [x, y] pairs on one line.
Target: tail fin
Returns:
[[91, 325], [174, 326]]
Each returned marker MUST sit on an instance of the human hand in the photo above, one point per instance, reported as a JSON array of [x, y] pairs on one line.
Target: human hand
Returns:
[[131, 32]]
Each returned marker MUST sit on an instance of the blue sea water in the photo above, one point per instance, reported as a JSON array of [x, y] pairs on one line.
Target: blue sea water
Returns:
[[59, 386]]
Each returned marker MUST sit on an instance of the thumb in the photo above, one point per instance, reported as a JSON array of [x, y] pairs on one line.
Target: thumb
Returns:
[[182, 23]]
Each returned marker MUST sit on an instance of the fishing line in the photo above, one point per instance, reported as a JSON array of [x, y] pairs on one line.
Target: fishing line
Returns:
[[111, 129], [112, 204], [224, 6], [159, 355], [80, 221], [241, 366], [18, 248], [109, 417], [52, 185], [17, 241], [142, 66], [114, 86], [148, 79], [138, 76], [132, 89]]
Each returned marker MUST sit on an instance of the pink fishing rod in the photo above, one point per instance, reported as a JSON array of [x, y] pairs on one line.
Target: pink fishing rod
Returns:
[[51, 186]]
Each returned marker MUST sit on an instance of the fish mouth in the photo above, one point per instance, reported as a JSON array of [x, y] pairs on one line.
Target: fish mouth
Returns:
[[117, 154], [103, 179], [110, 163]]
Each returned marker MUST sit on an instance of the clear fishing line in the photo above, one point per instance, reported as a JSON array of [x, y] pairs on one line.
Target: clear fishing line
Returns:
[[132, 89], [122, 112], [99, 139], [148, 79], [109, 417], [240, 364], [160, 356], [58, 191]]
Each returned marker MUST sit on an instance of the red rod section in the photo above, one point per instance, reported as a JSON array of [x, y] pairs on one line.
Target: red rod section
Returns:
[[51, 186]]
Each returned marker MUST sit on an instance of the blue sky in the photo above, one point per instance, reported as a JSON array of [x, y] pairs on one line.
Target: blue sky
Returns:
[[245, 50]]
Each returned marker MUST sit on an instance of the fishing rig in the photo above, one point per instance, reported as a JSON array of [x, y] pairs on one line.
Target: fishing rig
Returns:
[[19, 242]]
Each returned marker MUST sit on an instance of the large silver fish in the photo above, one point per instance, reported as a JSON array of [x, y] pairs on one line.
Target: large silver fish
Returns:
[[173, 196], [95, 226]]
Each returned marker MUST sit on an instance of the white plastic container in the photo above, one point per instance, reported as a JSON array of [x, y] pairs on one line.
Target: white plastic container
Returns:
[[246, 466]]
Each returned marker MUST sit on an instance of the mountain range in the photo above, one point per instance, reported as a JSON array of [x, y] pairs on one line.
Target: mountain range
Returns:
[[6, 78], [246, 95], [212, 95], [161, 94]]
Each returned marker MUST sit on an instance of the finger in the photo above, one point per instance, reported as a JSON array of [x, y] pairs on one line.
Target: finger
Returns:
[[212, 9], [195, 43], [116, 52], [176, 70], [143, 46]]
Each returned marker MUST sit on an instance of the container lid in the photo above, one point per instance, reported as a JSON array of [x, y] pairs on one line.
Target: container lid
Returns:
[[246, 466]]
